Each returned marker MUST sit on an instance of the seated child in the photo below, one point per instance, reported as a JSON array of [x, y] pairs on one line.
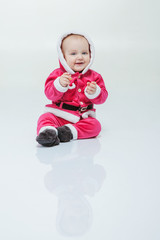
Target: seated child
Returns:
[[73, 90]]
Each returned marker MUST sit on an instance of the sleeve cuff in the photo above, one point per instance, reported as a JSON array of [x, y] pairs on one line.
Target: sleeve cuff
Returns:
[[92, 96], [59, 87]]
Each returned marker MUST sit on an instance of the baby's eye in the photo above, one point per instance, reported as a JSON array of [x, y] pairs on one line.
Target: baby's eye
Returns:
[[73, 53], [84, 53]]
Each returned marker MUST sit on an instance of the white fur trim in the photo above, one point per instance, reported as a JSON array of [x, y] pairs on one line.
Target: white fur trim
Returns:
[[92, 96], [61, 57], [48, 127], [73, 86], [63, 114], [59, 87], [73, 130], [89, 113]]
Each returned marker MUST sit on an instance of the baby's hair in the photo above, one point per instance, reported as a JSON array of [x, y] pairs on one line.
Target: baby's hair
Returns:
[[77, 35]]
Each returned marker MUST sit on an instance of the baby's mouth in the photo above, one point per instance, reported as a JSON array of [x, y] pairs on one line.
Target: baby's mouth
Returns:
[[80, 63]]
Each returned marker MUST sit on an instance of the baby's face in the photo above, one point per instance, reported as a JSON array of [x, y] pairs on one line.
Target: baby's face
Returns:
[[76, 52]]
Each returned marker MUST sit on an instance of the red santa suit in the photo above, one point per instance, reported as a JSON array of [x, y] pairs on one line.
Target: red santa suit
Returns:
[[72, 105]]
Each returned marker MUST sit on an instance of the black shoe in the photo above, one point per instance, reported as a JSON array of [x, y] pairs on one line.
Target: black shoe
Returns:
[[48, 138], [64, 134]]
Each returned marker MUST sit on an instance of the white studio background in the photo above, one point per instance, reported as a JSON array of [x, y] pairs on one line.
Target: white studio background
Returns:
[[127, 41], [125, 33]]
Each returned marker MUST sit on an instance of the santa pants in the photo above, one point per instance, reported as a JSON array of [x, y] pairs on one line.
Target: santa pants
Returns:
[[84, 128]]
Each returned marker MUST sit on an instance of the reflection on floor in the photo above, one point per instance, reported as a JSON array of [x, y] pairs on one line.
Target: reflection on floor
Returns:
[[74, 177]]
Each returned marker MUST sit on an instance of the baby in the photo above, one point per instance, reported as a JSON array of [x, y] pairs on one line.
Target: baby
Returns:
[[73, 89]]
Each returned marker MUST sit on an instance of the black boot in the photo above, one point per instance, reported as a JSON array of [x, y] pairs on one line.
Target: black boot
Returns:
[[64, 134], [48, 138]]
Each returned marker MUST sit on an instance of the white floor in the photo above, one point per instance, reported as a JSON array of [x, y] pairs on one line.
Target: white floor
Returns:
[[103, 188]]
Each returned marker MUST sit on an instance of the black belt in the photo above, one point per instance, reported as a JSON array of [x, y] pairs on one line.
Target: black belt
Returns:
[[75, 108]]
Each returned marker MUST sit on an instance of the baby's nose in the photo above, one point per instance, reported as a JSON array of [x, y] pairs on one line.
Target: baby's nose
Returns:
[[80, 56]]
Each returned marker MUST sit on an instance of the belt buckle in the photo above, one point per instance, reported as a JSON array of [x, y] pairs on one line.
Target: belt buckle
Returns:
[[82, 109]]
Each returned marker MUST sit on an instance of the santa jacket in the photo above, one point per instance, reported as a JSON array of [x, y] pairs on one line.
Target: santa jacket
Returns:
[[75, 94]]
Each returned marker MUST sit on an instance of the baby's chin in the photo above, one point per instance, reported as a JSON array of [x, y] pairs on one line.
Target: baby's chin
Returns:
[[78, 68]]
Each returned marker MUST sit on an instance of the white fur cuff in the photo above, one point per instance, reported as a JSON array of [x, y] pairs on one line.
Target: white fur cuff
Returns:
[[48, 127]]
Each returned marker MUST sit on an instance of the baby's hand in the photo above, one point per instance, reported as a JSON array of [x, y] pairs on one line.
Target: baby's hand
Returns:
[[91, 87], [65, 79]]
